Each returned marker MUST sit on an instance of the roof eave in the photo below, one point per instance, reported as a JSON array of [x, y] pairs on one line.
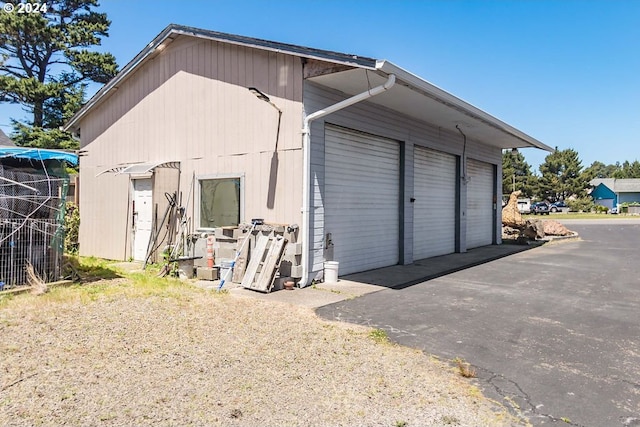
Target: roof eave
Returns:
[[430, 90]]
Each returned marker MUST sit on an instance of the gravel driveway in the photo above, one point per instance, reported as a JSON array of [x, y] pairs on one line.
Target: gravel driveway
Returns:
[[116, 354]]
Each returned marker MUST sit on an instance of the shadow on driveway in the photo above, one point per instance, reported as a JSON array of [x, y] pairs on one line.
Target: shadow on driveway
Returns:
[[403, 276]]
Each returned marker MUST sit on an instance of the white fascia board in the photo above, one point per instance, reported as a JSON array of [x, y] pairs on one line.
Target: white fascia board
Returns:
[[440, 95]]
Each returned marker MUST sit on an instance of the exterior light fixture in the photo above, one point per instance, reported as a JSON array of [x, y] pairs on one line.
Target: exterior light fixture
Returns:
[[259, 94]]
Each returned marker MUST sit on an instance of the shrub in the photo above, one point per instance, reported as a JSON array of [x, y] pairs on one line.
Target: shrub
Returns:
[[71, 227], [584, 204]]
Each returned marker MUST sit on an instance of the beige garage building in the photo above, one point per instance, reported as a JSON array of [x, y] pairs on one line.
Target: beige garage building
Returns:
[[376, 165]]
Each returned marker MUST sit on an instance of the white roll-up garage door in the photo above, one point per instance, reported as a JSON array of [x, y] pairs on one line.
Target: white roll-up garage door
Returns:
[[480, 191], [434, 210], [362, 187]]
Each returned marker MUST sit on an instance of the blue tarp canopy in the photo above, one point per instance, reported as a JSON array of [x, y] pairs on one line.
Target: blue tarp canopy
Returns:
[[38, 154]]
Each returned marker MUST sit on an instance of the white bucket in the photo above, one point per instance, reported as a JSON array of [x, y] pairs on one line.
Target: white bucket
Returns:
[[225, 266], [331, 271]]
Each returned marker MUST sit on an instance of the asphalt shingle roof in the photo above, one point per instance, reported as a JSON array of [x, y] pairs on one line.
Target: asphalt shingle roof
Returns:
[[630, 185], [5, 141]]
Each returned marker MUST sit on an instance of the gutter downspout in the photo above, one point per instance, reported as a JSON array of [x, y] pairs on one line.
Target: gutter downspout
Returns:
[[306, 149]]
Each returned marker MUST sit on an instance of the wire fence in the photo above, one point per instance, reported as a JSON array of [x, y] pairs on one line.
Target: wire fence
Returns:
[[31, 223], [32, 242]]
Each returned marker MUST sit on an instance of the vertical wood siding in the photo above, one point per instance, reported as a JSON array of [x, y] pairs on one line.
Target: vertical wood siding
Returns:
[[370, 118], [103, 221], [190, 103]]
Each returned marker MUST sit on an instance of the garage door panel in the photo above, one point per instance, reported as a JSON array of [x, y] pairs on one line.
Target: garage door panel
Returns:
[[362, 197], [480, 192], [434, 212]]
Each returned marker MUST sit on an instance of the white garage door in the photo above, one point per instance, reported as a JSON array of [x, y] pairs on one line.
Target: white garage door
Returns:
[[480, 190], [362, 183], [434, 211]]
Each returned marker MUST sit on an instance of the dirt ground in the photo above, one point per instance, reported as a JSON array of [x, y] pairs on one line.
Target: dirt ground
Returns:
[[115, 354]]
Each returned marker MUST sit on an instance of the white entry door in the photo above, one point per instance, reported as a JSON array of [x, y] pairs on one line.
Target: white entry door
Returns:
[[142, 213]]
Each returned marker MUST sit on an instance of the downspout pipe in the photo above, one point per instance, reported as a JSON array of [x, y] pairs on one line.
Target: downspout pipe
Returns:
[[306, 150]]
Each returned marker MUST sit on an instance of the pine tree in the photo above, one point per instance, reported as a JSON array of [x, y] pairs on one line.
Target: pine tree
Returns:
[[45, 66], [516, 174], [628, 170], [600, 170], [561, 176]]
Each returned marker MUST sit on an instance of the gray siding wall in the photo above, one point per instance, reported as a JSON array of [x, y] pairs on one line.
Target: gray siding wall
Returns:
[[628, 197], [367, 117], [190, 103]]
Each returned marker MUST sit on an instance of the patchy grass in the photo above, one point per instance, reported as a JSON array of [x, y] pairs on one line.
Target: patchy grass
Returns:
[[91, 269], [92, 347], [449, 420], [102, 279]]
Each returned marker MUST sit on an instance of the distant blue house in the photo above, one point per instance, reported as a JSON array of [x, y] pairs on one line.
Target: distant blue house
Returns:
[[612, 193]]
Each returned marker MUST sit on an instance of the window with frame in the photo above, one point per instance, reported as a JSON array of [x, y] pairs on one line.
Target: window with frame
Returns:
[[219, 202]]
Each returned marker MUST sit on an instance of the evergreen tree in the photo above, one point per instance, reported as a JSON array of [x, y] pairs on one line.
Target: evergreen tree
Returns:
[[45, 65], [516, 174], [628, 170], [600, 170], [561, 176]]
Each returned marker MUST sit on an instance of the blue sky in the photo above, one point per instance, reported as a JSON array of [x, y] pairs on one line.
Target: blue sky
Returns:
[[565, 72]]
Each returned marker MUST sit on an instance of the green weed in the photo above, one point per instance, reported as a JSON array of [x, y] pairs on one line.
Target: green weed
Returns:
[[379, 336]]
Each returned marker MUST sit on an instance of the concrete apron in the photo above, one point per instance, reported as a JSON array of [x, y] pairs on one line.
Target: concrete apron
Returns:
[[396, 277]]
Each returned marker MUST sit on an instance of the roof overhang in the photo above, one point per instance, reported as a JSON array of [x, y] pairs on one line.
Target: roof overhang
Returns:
[[140, 168], [411, 96], [419, 99]]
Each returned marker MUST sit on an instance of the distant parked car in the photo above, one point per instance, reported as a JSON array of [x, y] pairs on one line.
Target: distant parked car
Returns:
[[540, 208], [524, 206], [557, 206]]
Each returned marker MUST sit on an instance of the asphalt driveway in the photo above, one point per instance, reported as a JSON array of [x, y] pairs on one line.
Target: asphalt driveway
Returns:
[[553, 332]]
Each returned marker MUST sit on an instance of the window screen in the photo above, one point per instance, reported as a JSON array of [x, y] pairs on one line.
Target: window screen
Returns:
[[219, 202]]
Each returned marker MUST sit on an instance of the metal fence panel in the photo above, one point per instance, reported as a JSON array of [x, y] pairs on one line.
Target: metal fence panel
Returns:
[[31, 224]]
